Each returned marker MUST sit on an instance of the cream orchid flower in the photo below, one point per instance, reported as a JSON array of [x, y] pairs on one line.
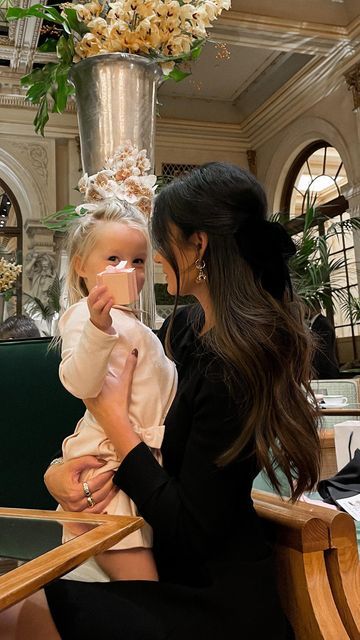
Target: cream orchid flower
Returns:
[[99, 28], [167, 67], [89, 45]]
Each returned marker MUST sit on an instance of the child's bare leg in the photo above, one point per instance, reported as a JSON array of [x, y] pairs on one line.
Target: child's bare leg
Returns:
[[128, 564], [29, 618]]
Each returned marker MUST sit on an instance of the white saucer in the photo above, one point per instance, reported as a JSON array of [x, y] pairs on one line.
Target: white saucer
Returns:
[[324, 405]]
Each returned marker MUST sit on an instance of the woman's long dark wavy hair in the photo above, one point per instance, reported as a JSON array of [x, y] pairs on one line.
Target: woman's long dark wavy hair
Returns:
[[259, 333]]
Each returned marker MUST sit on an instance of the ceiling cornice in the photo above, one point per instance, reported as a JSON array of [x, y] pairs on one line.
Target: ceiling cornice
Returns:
[[319, 78], [201, 135], [246, 29]]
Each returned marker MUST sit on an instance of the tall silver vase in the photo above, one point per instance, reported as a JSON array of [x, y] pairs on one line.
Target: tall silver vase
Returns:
[[116, 101]]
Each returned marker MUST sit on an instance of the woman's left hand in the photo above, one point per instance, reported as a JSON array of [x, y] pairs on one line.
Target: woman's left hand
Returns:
[[111, 408]]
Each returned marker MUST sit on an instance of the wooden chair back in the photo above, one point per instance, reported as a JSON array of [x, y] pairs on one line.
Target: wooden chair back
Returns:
[[301, 543]]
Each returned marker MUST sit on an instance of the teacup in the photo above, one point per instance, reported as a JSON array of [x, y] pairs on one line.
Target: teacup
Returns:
[[334, 401]]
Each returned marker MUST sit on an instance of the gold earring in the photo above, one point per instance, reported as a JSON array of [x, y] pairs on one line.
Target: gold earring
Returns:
[[200, 265]]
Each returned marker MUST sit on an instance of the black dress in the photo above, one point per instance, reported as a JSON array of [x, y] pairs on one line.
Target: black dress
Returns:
[[215, 567]]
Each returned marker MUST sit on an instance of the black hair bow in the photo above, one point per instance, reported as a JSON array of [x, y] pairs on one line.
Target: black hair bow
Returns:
[[267, 247]]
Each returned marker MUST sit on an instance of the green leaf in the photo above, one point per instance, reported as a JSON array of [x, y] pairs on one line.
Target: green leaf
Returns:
[[8, 294], [50, 45], [73, 22], [62, 89], [65, 50], [196, 51], [42, 116], [178, 75], [36, 11], [60, 219], [36, 92], [39, 75]]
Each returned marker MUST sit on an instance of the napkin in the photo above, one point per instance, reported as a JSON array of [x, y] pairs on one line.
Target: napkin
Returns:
[[344, 484]]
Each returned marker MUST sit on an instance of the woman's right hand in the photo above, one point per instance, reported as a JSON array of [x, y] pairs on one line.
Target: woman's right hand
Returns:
[[64, 483]]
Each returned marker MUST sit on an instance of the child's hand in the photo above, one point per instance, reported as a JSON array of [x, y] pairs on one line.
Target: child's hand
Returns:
[[100, 302]]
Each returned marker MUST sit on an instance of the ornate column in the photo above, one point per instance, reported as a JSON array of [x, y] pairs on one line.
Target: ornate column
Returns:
[[352, 78], [352, 194]]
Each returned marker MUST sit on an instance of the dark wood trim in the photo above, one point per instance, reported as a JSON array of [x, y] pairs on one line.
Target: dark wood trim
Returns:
[[323, 212]]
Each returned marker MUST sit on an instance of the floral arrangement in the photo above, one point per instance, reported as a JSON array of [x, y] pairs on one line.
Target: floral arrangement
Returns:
[[124, 177], [168, 31], [9, 271]]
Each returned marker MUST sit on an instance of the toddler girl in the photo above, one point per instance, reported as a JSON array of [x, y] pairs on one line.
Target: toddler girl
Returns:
[[96, 339]]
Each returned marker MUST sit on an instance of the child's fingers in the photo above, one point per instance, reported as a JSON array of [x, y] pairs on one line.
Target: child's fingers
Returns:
[[96, 292], [103, 301], [108, 305]]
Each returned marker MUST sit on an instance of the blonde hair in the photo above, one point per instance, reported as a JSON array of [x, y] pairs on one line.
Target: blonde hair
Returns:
[[82, 238]]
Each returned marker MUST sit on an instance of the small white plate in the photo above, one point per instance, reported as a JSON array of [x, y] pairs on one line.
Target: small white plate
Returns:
[[325, 405]]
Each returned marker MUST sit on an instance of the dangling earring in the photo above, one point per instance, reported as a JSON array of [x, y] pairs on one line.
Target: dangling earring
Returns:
[[200, 265]]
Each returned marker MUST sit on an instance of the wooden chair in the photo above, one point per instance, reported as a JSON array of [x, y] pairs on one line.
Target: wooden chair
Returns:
[[342, 564], [302, 541], [328, 454]]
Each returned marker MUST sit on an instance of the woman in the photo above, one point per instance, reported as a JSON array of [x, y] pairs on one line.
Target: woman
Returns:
[[243, 358]]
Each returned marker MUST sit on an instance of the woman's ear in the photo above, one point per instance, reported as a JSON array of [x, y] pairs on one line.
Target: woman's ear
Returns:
[[200, 240]]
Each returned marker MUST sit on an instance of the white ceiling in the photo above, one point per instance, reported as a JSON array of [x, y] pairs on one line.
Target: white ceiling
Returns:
[[260, 51], [270, 43]]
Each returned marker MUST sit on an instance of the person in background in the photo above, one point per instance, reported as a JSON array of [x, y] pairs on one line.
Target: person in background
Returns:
[[243, 354], [325, 362], [18, 328]]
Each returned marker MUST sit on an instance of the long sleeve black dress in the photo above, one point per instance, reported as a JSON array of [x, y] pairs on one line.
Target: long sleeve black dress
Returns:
[[215, 567]]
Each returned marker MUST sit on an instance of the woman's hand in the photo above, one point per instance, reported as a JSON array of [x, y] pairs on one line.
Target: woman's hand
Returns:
[[65, 484], [111, 408]]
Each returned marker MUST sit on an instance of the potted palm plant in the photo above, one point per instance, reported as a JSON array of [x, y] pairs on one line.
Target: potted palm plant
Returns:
[[316, 273]]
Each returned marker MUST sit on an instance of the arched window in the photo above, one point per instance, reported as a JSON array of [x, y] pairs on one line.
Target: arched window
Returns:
[[316, 178], [11, 237]]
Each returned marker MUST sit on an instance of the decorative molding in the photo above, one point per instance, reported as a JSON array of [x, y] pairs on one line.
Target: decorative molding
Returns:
[[274, 167], [38, 158], [18, 100], [316, 80], [244, 29], [185, 134], [352, 78], [351, 192]]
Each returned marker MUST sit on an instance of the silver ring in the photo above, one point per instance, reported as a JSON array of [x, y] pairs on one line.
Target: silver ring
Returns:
[[90, 501], [86, 489]]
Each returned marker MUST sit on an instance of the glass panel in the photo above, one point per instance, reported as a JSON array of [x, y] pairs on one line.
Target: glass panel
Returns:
[[4, 25], [341, 315], [343, 332], [321, 177], [26, 538], [7, 211], [8, 247]]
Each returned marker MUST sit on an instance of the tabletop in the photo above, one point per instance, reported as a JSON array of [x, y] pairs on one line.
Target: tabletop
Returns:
[[34, 536]]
